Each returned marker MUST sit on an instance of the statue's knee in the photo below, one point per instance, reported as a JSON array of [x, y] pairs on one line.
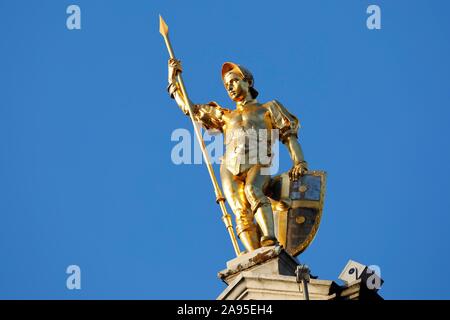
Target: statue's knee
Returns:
[[255, 196], [251, 192], [244, 222]]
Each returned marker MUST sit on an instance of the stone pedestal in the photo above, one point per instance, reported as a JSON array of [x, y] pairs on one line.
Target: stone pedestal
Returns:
[[267, 261], [269, 274]]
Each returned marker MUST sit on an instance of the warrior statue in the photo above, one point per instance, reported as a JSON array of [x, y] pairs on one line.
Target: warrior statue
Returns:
[[287, 208], [243, 180]]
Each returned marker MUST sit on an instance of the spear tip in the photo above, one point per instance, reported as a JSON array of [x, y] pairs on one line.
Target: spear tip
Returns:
[[163, 28]]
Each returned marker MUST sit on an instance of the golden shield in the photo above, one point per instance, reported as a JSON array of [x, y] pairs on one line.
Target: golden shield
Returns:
[[297, 206]]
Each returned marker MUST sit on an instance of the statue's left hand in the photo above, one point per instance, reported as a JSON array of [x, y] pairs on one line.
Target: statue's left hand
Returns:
[[174, 69], [298, 170]]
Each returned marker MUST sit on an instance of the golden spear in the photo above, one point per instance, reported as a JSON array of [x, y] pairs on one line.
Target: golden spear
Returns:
[[226, 218]]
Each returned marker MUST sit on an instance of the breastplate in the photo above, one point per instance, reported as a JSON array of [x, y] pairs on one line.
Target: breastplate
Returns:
[[247, 140]]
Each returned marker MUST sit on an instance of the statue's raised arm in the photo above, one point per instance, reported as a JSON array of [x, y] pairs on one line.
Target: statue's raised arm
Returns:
[[210, 115]]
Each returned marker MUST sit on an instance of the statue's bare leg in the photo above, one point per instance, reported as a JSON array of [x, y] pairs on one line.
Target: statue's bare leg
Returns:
[[246, 229], [255, 184]]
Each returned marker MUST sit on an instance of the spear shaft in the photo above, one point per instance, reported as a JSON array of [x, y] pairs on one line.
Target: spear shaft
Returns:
[[226, 218]]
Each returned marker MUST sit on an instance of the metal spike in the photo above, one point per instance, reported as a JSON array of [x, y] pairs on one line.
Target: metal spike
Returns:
[[163, 28]]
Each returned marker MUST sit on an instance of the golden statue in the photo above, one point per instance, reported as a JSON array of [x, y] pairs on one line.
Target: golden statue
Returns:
[[242, 181], [245, 183]]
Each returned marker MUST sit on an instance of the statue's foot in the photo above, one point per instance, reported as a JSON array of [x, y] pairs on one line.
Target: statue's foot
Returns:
[[268, 241], [250, 240]]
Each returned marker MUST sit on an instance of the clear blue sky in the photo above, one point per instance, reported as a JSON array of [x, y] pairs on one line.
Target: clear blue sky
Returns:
[[86, 176]]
